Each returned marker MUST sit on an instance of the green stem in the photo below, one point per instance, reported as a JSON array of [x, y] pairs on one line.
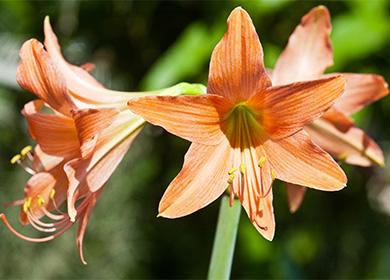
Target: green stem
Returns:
[[225, 240]]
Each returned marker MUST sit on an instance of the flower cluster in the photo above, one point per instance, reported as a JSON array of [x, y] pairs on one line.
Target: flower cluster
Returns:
[[253, 126]]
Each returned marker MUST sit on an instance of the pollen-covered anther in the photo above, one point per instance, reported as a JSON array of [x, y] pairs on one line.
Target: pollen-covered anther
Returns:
[[27, 204], [26, 152], [261, 162], [273, 174], [231, 179], [343, 156], [15, 159], [41, 201], [233, 170], [242, 168], [52, 193]]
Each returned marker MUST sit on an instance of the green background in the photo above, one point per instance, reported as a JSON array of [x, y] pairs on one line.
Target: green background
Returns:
[[148, 45]]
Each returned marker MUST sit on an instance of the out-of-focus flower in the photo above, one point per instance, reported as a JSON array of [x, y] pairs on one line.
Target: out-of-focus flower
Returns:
[[245, 132], [306, 57], [82, 131]]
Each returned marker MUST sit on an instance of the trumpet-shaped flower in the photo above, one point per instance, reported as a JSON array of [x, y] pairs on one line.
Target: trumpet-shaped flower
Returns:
[[307, 55], [82, 131], [244, 132]]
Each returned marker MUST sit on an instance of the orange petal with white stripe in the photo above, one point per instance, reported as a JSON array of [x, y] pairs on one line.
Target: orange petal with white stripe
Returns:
[[236, 67], [296, 159], [286, 109], [195, 118], [309, 50], [202, 180]]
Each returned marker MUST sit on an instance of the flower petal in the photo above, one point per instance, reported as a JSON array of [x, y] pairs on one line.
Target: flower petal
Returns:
[[296, 159], [195, 118], [37, 74], [91, 173], [84, 89], [89, 124], [360, 91], [84, 219], [203, 178], [286, 109], [55, 133], [309, 50], [265, 223], [236, 67], [337, 135], [295, 195]]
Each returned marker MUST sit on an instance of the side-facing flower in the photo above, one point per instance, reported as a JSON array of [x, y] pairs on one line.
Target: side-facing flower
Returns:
[[307, 55], [82, 131], [244, 132]]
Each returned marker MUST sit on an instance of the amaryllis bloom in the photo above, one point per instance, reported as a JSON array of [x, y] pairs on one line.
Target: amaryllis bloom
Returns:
[[244, 132], [306, 57], [82, 131]]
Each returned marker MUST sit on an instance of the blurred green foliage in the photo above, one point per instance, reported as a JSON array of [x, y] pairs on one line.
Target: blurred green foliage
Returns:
[[145, 45]]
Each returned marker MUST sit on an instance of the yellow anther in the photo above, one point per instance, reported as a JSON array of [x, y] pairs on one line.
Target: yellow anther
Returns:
[[52, 193], [343, 156], [231, 171], [231, 179], [242, 168], [15, 159], [41, 201], [27, 204], [25, 151], [262, 161], [273, 174]]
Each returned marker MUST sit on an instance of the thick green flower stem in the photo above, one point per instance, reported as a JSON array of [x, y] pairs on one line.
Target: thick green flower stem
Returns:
[[225, 240]]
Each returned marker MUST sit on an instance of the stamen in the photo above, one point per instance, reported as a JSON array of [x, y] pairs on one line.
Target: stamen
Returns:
[[273, 174], [26, 151], [343, 156], [36, 240], [262, 161], [231, 171], [15, 159], [41, 201], [52, 193], [242, 168], [27, 204], [231, 179]]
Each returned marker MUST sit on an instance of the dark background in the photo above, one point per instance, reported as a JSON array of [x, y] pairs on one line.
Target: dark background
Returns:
[[139, 45]]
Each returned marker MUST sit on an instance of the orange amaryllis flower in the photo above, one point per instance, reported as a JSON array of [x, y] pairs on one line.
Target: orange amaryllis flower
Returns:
[[245, 132], [307, 55], [83, 131]]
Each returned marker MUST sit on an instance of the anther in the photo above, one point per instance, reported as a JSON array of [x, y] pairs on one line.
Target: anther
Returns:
[[242, 168], [273, 174], [231, 179], [231, 171], [343, 156], [27, 204], [52, 193], [15, 159], [41, 201], [25, 151], [262, 161]]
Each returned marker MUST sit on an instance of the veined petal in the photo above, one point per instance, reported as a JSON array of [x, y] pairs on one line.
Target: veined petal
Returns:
[[295, 195], [91, 173], [309, 50], [360, 91], [37, 74], [337, 135], [286, 109], [84, 219], [195, 118], [203, 178], [89, 124], [265, 222], [296, 159], [55, 133], [84, 89], [236, 67], [43, 161]]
